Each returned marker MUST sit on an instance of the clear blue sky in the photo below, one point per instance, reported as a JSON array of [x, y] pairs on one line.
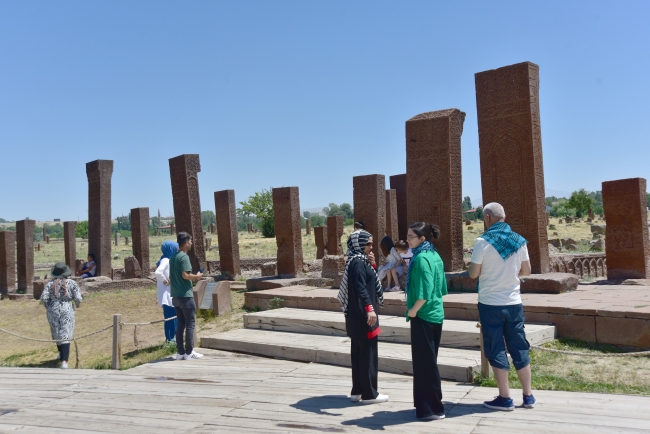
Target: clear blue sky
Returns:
[[312, 93]]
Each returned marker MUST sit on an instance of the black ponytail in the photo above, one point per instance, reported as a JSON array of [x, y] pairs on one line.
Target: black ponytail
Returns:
[[422, 229]]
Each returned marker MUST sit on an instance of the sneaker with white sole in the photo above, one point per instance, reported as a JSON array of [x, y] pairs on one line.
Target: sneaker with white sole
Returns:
[[194, 355], [433, 417], [501, 404], [64, 365], [377, 400], [355, 398], [529, 401], [393, 289], [180, 356]]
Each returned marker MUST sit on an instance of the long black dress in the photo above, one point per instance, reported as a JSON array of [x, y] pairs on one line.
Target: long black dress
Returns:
[[363, 352]]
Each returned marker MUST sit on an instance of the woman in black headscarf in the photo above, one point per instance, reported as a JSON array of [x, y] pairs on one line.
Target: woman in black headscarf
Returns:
[[360, 294]]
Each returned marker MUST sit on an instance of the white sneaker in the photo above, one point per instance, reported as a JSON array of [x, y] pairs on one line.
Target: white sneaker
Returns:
[[194, 355], [355, 398], [180, 356], [64, 365], [378, 399], [58, 356], [433, 417], [393, 289]]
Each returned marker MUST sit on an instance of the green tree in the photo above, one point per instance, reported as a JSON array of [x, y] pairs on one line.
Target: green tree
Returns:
[[467, 203], [306, 214], [208, 218], [317, 220], [345, 209], [581, 201], [260, 205], [82, 229], [124, 222]]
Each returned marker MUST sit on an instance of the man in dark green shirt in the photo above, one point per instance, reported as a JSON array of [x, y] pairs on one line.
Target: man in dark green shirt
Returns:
[[180, 278]]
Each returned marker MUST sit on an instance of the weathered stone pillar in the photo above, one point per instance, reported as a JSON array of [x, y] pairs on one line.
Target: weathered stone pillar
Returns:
[[117, 238], [398, 183], [391, 215], [187, 204], [7, 261], [370, 208], [99, 173], [70, 244], [510, 141], [172, 229], [140, 234], [626, 233], [434, 181], [308, 227], [320, 238], [44, 231], [227, 235], [288, 234], [335, 226], [25, 248]]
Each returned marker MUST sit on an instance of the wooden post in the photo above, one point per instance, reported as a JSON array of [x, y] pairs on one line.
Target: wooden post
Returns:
[[485, 365], [117, 342]]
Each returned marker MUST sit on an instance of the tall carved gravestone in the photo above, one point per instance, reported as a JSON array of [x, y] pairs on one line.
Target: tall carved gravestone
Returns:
[[7, 261], [335, 226], [69, 243], [320, 238], [288, 234], [626, 234], [187, 204], [370, 207], [227, 235], [391, 215], [434, 179], [398, 183], [99, 173], [510, 141], [140, 234], [25, 256]]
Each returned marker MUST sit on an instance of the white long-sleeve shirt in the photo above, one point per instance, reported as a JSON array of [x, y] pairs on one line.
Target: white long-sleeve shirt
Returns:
[[162, 274]]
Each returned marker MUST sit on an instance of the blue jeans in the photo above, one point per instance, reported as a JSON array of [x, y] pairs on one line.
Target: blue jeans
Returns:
[[170, 326], [499, 323]]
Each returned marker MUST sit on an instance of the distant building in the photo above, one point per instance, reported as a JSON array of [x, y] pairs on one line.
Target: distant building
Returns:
[[57, 220]]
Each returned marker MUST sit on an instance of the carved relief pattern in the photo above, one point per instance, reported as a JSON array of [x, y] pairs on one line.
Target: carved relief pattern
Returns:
[[320, 238], [99, 173], [140, 232], [69, 243], [288, 234], [226, 213], [628, 247], [369, 198], [434, 181], [512, 171], [7, 261]]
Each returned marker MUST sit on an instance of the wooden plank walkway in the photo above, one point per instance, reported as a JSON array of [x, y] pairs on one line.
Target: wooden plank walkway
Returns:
[[226, 392]]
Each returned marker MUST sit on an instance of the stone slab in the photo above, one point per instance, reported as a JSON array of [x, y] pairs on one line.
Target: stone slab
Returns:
[[221, 299], [369, 195], [549, 283], [99, 174], [333, 266], [262, 283], [398, 183], [288, 233], [228, 236], [335, 227]]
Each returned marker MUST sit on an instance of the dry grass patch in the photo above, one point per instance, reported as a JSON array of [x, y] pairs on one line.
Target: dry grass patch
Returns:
[[28, 318], [551, 371]]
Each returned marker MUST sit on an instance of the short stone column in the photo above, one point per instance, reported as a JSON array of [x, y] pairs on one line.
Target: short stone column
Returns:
[[25, 256], [335, 226], [227, 235], [308, 227], [320, 238], [626, 233], [7, 261], [288, 234], [370, 208], [70, 243], [140, 234]]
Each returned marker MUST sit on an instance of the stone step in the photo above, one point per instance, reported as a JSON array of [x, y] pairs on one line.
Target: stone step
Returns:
[[455, 333], [454, 364]]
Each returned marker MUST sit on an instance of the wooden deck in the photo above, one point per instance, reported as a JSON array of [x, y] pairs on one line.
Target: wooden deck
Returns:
[[226, 392]]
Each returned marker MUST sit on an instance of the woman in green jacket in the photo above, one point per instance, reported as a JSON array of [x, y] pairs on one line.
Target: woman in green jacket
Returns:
[[425, 286]]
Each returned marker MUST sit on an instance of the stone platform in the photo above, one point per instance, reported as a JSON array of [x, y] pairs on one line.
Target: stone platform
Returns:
[[608, 314]]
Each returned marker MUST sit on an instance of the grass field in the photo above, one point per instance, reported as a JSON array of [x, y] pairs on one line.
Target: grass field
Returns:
[[27, 318]]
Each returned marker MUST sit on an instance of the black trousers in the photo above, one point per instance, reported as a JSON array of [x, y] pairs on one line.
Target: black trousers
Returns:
[[427, 388], [64, 351], [186, 320], [365, 366]]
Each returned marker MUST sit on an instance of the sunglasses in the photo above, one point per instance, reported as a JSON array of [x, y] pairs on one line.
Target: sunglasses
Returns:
[[369, 244]]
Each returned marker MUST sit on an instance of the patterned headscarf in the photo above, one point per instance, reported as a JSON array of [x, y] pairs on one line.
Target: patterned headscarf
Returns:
[[503, 239], [356, 244], [169, 249]]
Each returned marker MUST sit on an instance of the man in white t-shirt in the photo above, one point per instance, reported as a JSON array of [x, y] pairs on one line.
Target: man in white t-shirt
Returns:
[[500, 256]]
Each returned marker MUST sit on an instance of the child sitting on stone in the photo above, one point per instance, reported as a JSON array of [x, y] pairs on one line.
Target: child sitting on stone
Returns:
[[393, 261]]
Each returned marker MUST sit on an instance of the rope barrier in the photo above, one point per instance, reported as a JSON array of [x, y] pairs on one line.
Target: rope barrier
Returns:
[[579, 353], [74, 340], [136, 324]]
